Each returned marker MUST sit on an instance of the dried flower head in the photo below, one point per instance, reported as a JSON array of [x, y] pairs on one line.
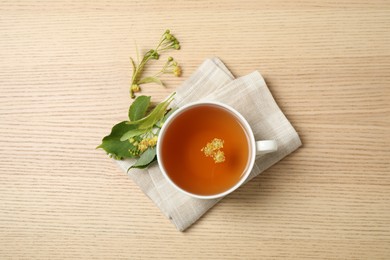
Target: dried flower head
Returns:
[[213, 149]]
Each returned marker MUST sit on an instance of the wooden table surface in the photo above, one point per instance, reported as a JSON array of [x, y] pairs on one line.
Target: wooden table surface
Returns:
[[64, 78]]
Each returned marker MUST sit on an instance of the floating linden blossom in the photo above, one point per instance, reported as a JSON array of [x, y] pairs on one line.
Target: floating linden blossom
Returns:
[[213, 149]]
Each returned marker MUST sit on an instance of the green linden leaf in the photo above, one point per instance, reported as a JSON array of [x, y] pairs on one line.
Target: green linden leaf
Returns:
[[132, 133], [139, 107], [145, 159], [112, 143], [160, 123], [150, 80], [157, 114]]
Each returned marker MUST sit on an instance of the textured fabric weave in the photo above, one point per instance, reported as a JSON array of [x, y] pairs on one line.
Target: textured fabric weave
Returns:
[[250, 96]]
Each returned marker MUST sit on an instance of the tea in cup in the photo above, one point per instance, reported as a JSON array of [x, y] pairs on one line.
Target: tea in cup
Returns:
[[207, 149]]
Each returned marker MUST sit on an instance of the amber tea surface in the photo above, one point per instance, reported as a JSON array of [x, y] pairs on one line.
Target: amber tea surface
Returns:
[[182, 155]]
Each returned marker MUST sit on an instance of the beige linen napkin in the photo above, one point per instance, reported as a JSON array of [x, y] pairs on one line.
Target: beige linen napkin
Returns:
[[251, 97]]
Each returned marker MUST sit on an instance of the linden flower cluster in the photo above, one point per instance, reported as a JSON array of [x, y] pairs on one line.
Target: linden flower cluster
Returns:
[[167, 41], [213, 149], [143, 144]]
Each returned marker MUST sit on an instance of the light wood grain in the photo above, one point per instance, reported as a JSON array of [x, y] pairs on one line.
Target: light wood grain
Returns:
[[64, 82]]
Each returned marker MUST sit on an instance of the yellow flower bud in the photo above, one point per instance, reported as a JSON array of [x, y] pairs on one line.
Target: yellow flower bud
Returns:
[[135, 88], [177, 71], [152, 141], [142, 147]]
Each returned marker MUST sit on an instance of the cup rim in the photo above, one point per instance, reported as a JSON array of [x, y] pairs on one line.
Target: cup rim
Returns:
[[248, 131]]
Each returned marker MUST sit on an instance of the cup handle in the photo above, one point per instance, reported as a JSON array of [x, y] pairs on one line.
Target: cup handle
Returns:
[[266, 146]]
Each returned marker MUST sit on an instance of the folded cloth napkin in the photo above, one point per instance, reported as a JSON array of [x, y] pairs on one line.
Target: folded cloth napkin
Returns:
[[250, 96]]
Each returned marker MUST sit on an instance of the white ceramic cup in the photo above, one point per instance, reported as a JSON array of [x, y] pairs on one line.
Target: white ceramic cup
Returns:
[[256, 147]]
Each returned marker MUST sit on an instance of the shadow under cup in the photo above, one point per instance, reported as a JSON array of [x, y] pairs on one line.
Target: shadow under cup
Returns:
[[183, 161]]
